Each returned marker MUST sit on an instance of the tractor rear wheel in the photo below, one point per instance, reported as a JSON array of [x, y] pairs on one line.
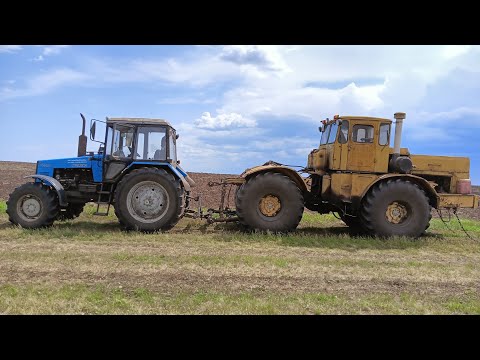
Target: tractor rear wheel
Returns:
[[32, 206], [149, 199], [396, 208], [270, 201], [71, 212]]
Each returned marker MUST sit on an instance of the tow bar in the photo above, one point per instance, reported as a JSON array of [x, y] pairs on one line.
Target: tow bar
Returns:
[[225, 214]]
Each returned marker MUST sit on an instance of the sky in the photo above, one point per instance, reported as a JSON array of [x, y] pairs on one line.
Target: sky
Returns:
[[235, 107]]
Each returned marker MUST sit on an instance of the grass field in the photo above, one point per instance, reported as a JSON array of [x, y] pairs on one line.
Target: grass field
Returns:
[[89, 266]]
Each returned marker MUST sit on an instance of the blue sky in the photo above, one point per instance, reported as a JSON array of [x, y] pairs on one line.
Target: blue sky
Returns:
[[238, 106]]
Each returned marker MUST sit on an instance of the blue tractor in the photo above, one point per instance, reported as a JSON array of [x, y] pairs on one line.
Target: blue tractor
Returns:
[[135, 169]]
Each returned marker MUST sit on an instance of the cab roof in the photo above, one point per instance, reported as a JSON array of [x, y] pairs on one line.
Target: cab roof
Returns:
[[139, 121], [367, 118]]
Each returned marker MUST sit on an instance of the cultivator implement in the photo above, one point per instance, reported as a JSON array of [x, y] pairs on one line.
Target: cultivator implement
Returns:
[[224, 213]]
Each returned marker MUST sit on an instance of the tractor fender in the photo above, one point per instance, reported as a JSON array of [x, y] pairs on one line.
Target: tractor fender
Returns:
[[424, 185], [285, 170], [47, 180], [175, 172]]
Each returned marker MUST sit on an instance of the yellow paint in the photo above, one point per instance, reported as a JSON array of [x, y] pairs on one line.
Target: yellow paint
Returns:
[[458, 201], [341, 186], [361, 183], [326, 186], [292, 174]]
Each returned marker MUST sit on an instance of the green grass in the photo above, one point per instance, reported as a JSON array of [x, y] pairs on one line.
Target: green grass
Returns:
[[3, 207], [90, 266], [81, 299]]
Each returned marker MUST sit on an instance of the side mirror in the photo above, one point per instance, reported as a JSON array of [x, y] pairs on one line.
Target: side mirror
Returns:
[[320, 128], [92, 130], [176, 137]]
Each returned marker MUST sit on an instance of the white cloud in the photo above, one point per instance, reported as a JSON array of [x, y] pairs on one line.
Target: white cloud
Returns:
[[10, 48], [264, 57], [223, 121], [451, 51], [53, 49], [49, 50], [185, 100], [44, 83]]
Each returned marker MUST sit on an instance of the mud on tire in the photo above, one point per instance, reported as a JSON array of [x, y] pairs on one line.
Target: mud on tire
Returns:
[[149, 199], [270, 201], [32, 206]]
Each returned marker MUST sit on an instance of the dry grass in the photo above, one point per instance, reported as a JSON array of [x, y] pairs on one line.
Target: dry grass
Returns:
[[90, 266]]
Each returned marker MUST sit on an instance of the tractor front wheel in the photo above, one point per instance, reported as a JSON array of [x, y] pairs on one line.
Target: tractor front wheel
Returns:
[[149, 199], [32, 206], [270, 201], [71, 212]]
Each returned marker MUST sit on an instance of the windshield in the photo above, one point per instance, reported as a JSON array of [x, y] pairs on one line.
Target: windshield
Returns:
[[324, 139]]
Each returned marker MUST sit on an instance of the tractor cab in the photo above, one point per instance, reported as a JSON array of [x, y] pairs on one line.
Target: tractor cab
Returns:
[[134, 140], [352, 143]]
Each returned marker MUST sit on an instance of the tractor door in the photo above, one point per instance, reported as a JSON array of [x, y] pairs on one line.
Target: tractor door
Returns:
[[119, 150], [361, 147]]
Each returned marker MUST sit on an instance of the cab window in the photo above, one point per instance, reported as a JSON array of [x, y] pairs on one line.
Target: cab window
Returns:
[[343, 133], [333, 133], [362, 134], [384, 138], [152, 143]]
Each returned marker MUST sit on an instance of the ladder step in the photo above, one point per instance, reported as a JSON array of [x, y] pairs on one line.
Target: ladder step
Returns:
[[103, 192], [100, 214]]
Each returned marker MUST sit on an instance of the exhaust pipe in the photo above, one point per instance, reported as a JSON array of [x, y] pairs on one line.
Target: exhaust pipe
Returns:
[[399, 117], [82, 140], [401, 164]]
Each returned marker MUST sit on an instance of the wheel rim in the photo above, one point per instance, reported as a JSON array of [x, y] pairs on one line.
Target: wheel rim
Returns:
[[29, 207], [147, 201], [269, 205], [397, 212]]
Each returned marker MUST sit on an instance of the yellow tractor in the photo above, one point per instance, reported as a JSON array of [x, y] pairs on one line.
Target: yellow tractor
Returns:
[[374, 188]]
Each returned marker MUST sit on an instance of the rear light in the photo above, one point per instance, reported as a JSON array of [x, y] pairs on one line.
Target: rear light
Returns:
[[464, 186]]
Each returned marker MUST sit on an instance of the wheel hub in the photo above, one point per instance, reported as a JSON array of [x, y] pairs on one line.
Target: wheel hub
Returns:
[[147, 201], [396, 213], [270, 205], [30, 207]]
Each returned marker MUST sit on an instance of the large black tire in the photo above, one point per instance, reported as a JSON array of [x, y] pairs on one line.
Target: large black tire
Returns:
[[396, 208], [71, 212], [145, 210], [270, 201], [32, 206]]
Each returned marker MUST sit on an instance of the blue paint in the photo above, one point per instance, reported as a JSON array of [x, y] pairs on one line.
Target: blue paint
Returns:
[[95, 163], [176, 170], [181, 171]]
